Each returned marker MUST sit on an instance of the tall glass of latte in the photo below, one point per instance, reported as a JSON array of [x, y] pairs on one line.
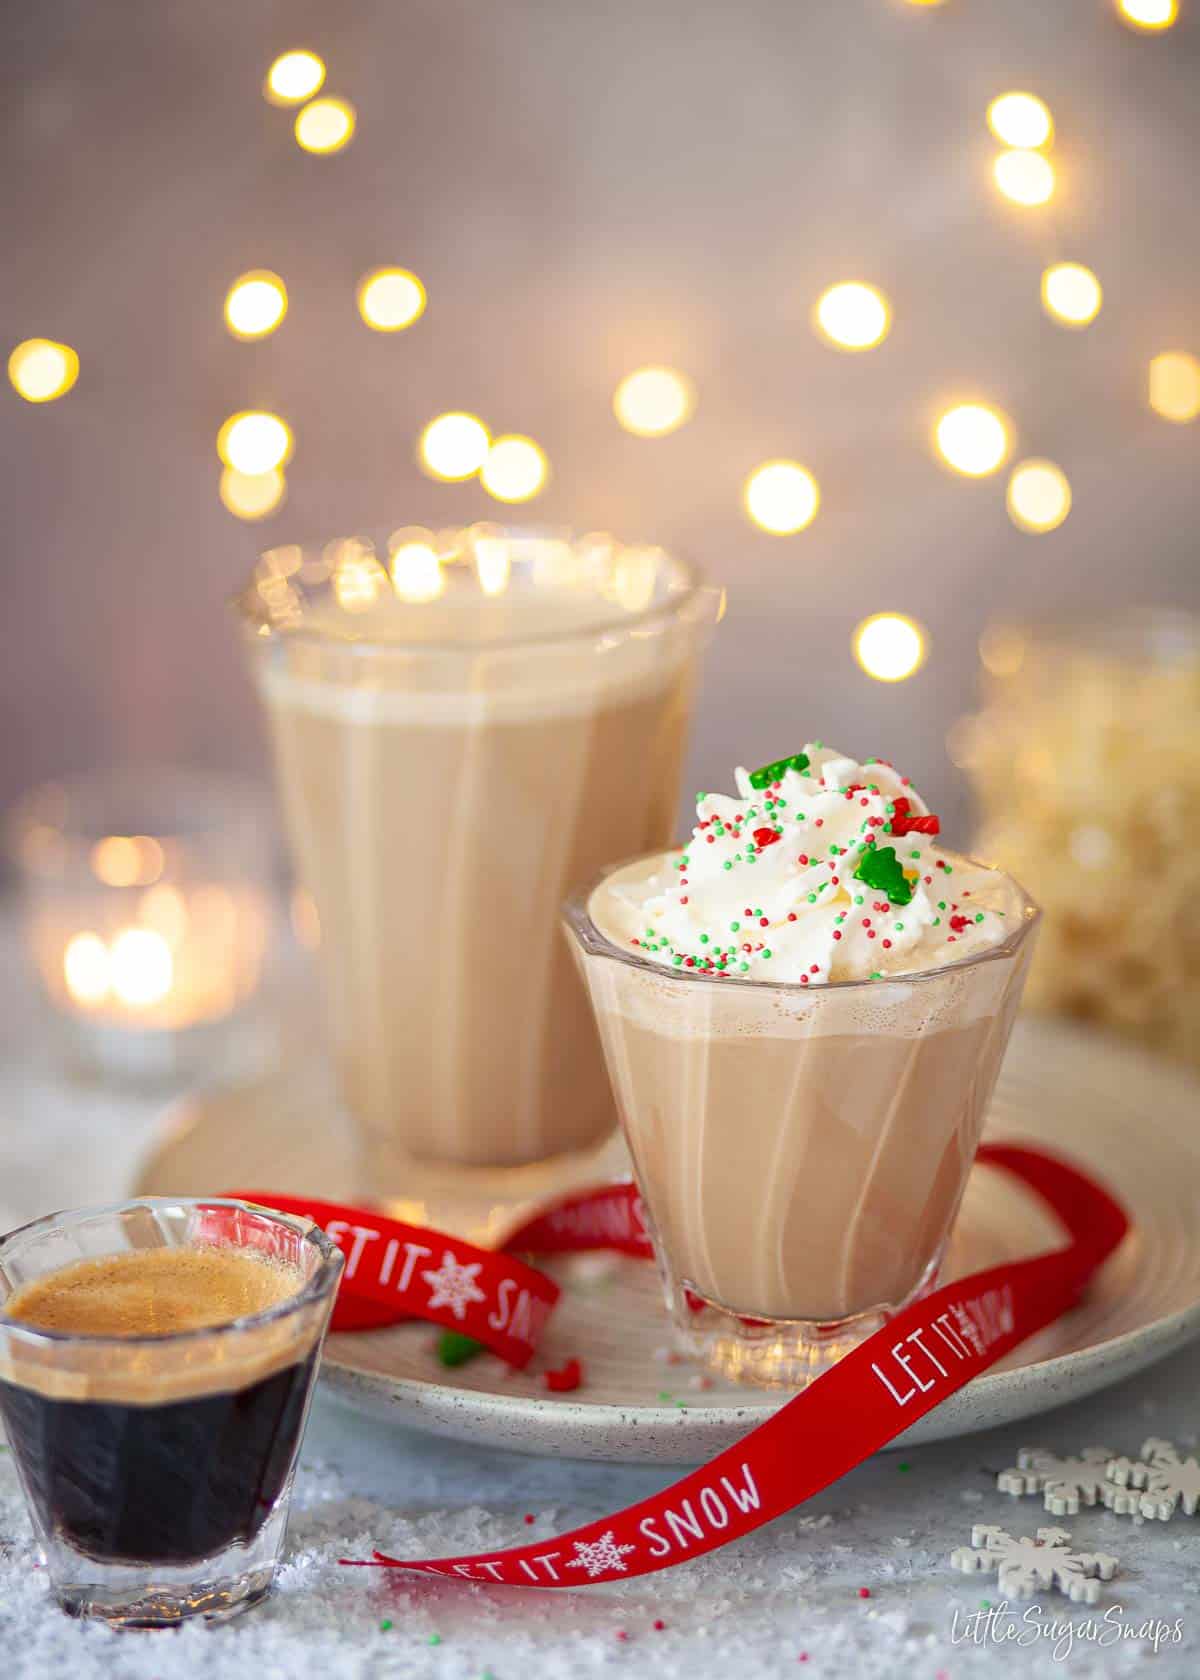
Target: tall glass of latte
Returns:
[[156, 1365], [465, 724], [804, 1010]]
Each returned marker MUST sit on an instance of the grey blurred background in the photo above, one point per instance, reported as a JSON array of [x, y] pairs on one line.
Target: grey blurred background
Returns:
[[584, 189]]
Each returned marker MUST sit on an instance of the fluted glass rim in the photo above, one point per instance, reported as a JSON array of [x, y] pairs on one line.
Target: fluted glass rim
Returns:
[[696, 599]]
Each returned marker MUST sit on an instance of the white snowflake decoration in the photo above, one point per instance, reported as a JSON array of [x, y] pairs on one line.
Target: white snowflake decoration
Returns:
[[598, 1555], [1155, 1485], [1025, 1567], [1064, 1483], [453, 1284]]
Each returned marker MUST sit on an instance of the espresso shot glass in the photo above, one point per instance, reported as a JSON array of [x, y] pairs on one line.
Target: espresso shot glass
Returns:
[[157, 1463]]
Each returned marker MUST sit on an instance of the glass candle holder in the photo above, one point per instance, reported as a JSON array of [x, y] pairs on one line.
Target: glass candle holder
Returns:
[[1085, 761], [147, 907]]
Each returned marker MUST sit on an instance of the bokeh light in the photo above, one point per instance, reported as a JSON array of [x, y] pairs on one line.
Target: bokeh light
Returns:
[[1020, 119], [390, 299], [782, 497], [890, 646], [255, 304], [653, 401], [294, 76], [416, 571], [41, 369], [254, 442], [1002, 649], [127, 860], [141, 967], [853, 315], [252, 495], [492, 553], [86, 968], [1175, 385], [1149, 14], [514, 470], [453, 447], [358, 578], [1071, 293], [973, 439], [1025, 177], [325, 125], [164, 909], [1038, 497]]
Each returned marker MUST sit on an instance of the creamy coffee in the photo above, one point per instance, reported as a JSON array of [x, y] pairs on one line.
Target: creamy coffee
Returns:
[[449, 768], [135, 1464], [797, 1175], [153, 1291], [804, 1011]]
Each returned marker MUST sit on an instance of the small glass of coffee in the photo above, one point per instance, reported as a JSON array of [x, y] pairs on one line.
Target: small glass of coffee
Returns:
[[157, 1360]]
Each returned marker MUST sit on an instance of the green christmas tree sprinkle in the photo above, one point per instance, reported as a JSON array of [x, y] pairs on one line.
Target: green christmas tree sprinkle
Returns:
[[775, 772], [881, 870]]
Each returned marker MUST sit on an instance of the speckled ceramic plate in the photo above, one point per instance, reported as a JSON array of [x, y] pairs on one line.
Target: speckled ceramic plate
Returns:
[[1131, 1119]]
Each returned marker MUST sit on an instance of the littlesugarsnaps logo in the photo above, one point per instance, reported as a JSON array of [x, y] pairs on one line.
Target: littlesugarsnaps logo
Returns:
[[1032, 1624]]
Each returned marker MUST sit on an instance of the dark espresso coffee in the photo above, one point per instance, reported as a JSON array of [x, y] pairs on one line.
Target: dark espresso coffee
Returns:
[[162, 1464]]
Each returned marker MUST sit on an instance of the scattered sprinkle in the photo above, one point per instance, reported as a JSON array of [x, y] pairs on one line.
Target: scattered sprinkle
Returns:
[[453, 1348], [385, 1627], [565, 1378]]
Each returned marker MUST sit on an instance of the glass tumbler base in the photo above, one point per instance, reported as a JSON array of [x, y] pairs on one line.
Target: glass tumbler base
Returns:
[[159, 1595], [152, 1606], [781, 1352]]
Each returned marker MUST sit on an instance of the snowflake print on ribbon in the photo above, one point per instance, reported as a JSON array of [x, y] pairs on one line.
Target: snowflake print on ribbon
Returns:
[[1154, 1485], [1026, 1567], [597, 1556], [453, 1285], [1064, 1483]]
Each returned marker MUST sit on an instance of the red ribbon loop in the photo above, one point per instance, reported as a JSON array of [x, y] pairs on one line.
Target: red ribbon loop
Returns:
[[607, 1218], [919, 1358], [396, 1271]]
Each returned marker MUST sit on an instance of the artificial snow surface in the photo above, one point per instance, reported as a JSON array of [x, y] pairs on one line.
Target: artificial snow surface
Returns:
[[754, 1610]]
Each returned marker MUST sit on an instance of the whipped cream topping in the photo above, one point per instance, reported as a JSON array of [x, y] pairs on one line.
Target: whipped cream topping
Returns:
[[823, 868]]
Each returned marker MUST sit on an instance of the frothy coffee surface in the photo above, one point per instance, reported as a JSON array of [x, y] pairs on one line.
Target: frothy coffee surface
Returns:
[[153, 1292]]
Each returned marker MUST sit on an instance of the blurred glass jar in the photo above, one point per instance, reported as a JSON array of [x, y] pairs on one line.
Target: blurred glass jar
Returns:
[[1085, 760], [147, 908]]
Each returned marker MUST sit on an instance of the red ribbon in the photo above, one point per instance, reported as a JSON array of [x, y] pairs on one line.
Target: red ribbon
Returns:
[[395, 1271], [919, 1358], [606, 1218]]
